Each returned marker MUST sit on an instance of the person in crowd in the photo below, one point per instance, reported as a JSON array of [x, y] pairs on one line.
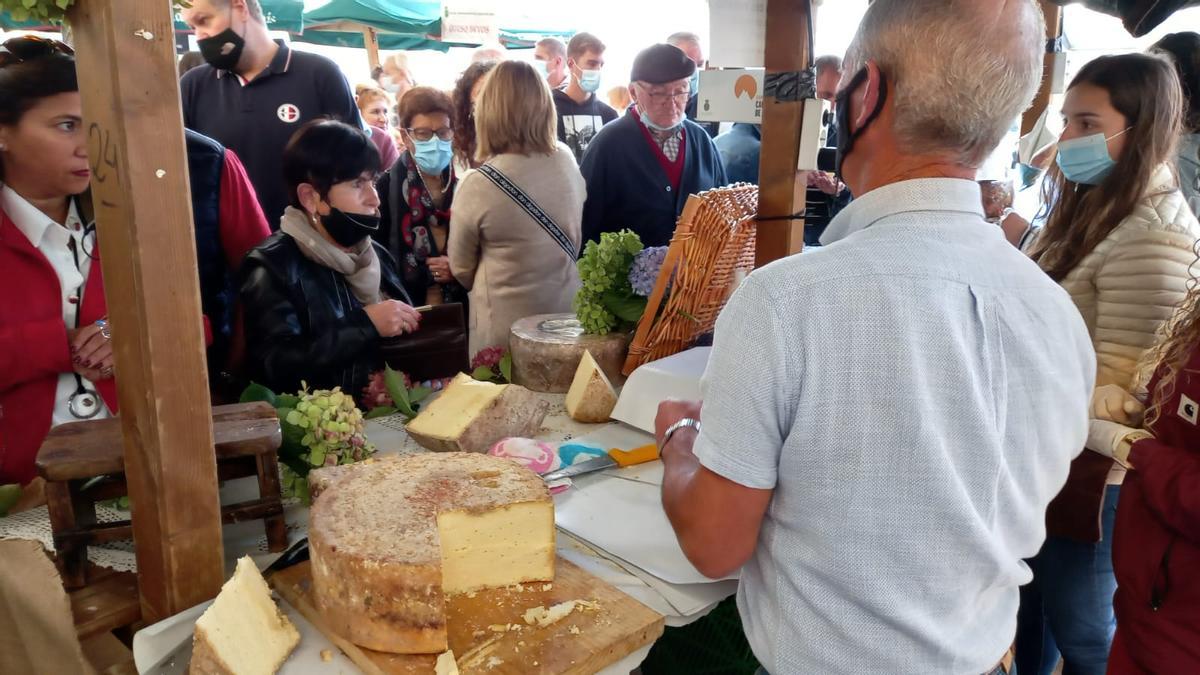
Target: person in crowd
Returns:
[[188, 61], [255, 92], [826, 195], [1156, 538], [466, 93], [56, 362], [641, 168], [880, 498], [1184, 51], [374, 105], [320, 294], [618, 98], [550, 56], [394, 75], [415, 197], [580, 112], [1119, 238], [515, 231], [494, 52], [740, 149], [690, 44]]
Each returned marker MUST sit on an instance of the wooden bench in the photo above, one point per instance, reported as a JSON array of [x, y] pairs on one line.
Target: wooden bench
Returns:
[[247, 437]]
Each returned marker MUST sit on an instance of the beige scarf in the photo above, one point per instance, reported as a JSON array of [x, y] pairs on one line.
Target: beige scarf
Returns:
[[360, 266]]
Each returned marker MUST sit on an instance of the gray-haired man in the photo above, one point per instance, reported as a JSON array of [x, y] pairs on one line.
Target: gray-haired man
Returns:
[[886, 418]]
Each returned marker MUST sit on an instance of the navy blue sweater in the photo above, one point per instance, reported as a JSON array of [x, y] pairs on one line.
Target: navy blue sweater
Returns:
[[627, 187]]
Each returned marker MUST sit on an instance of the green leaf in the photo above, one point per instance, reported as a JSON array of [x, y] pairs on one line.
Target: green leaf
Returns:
[[483, 374], [9, 495], [257, 392], [506, 366], [626, 307], [419, 394], [287, 401], [381, 411], [316, 457], [394, 382]]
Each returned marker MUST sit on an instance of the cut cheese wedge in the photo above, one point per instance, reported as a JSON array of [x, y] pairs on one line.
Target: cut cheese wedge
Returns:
[[591, 397], [445, 664], [470, 416], [242, 632]]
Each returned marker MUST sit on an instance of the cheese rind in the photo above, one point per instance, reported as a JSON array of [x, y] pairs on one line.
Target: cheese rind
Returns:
[[546, 350], [591, 397], [390, 539], [470, 416], [242, 632]]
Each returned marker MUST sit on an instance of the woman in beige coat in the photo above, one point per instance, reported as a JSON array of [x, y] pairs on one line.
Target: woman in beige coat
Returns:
[[516, 227], [1119, 238]]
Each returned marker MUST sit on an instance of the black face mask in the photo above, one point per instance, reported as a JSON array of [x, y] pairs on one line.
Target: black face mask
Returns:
[[348, 229], [845, 139], [223, 50]]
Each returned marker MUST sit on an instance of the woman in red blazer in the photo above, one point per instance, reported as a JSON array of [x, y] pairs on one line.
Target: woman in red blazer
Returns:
[[52, 369]]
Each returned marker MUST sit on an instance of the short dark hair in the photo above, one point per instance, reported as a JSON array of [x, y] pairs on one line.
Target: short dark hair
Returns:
[[326, 152], [583, 43], [24, 84], [829, 61], [1184, 50], [424, 101]]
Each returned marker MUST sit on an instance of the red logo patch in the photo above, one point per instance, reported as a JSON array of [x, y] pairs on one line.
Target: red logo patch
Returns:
[[288, 112]]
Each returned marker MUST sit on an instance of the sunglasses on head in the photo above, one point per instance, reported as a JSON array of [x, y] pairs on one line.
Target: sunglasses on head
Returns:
[[21, 49]]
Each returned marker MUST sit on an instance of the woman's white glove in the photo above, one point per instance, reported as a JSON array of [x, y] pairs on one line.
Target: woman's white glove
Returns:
[[1111, 402]]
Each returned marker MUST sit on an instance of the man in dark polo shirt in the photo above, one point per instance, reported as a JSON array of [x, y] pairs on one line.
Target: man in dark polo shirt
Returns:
[[254, 93], [641, 168]]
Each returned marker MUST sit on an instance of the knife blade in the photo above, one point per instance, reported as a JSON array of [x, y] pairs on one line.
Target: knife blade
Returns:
[[614, 458]]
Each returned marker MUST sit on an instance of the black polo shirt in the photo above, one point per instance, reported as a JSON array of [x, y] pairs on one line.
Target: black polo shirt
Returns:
[[256, 119]]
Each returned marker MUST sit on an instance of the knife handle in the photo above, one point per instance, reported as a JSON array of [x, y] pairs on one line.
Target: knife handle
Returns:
[[624, 458]]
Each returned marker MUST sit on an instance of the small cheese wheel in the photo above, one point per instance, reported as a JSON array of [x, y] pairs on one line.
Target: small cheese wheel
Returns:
[[546, 350]]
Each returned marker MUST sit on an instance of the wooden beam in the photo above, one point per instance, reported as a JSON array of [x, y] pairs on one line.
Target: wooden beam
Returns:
[[1041, 100], [127, 76], [787, 50], [371, 42]]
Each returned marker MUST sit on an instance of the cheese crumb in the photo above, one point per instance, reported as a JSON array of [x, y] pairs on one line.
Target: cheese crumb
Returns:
[[493, 662], [498, 628], [547, 587], [326, 655], [575, 630], [544, 617], [471, 594]]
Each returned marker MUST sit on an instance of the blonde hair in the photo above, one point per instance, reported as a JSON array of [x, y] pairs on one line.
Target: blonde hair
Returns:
[[365, 93], [515, 113], [1177, 342]]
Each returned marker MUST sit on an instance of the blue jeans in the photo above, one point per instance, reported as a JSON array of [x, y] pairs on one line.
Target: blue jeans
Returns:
[[1067, 609]]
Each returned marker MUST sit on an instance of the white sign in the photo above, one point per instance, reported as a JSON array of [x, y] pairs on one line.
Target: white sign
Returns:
[[734, 95], [738, 29], [469, 21]]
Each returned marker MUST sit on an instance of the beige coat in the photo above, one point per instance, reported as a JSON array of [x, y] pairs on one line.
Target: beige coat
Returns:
[[1133, 280], [510, 265]]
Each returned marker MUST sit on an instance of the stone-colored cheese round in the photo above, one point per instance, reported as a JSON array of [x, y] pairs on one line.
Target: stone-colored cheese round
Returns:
[[546, 350], [390, 538]]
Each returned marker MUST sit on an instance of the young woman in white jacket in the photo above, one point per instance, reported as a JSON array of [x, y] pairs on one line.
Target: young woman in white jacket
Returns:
[[1119, 237]]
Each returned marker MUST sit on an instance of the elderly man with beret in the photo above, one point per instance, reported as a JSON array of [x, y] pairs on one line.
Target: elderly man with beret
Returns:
[[641, 168]]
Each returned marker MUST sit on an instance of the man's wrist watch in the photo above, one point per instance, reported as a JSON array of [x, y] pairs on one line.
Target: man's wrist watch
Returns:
[[687, 422], [1125, 445]]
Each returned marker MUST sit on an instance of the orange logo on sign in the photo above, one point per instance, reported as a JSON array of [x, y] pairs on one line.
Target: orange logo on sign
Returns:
[[745, 84]]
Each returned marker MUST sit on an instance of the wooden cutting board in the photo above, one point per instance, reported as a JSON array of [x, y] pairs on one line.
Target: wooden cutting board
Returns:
[[583, 642]]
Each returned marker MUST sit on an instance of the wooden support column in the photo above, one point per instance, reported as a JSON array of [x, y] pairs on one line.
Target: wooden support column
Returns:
[[788, 50], [127, 77], [371, 42], [1041, 101]]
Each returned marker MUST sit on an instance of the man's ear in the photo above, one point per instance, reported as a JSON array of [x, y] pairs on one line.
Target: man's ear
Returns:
[[871, 92]]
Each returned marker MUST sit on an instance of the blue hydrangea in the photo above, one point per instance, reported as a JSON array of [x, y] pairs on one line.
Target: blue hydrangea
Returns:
[[643, 273]]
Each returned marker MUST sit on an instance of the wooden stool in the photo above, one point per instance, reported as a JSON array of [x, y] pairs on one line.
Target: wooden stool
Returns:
[[247, 438]]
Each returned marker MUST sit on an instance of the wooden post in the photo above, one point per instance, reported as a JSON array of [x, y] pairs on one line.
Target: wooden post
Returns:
[[788, 50], [371, 42], [1041, 101], [127, 76]]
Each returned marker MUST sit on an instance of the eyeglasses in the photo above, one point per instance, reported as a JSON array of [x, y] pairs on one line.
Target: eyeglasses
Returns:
[[661, 97], [423, 134], [28, 47]]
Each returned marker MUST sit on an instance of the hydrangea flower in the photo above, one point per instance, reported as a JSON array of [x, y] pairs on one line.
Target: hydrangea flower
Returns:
[[643, 273]]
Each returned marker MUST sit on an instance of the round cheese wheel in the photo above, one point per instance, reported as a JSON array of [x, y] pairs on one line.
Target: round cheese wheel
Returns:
[[546, 350]]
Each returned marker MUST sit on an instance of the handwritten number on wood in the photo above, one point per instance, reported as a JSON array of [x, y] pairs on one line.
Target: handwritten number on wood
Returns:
[[102, 154]]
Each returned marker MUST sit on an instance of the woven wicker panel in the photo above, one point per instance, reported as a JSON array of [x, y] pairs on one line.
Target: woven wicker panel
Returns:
[[711, 251]]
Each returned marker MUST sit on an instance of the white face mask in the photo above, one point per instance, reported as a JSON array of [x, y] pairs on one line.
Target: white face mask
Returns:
[[389, 84]]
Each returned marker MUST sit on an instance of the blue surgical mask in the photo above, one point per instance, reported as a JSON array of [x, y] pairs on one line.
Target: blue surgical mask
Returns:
[[1085, 160], [694, 82], [432, 156], [589, 80], [542, 67], [652, 125]]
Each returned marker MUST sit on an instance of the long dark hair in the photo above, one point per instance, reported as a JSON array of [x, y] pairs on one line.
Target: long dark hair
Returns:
[[25, 83], [1184, 50], [464, 115], [1145, 89]]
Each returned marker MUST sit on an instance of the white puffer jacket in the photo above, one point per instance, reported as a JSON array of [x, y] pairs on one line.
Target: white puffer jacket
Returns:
[[1133, 280]]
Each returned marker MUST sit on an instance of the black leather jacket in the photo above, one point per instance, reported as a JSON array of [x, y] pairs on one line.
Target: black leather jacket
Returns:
[[304, 323]]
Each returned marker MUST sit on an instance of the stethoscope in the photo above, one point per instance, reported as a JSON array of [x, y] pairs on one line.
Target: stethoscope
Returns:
[[84, 404]]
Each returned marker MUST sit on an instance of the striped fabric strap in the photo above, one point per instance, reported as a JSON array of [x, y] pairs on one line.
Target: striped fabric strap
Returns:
[[531, 207]]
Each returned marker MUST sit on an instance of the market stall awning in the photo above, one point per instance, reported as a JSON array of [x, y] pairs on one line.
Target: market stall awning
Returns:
[[285, 15]]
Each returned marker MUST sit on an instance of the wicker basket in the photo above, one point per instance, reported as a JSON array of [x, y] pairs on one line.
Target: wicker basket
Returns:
[[711, 251]]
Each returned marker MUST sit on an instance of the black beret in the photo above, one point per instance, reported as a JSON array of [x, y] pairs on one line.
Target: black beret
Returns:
[[661, 63]]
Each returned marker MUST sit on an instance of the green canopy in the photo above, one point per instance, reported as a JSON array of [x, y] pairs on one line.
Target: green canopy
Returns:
[[285, 15], [418, 18], [389, 41]]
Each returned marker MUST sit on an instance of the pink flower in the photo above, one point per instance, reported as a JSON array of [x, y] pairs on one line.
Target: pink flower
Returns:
[[488, 356], [375, 394]]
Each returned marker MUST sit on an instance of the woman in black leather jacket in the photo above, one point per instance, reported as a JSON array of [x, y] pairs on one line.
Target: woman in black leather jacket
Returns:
[[319, 293]]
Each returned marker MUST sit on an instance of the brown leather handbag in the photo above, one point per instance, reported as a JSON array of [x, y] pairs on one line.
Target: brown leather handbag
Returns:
[[436, 350]]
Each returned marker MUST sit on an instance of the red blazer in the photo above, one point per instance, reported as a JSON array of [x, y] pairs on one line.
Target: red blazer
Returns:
[[1156, 545], [33, 348]]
